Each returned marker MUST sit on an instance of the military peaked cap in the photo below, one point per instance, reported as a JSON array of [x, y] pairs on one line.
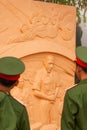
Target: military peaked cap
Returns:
[[11, 68], [81, 56]]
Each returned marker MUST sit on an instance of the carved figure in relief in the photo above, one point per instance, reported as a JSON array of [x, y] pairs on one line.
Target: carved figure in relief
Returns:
[[36, 24], [43, 26], [22, 92], [45, 88]]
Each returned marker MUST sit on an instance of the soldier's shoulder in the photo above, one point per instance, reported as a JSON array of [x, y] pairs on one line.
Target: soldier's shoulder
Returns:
[[72, 87]]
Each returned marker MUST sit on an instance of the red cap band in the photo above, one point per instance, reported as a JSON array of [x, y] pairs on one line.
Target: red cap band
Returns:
[[9, 77], [81, 63]]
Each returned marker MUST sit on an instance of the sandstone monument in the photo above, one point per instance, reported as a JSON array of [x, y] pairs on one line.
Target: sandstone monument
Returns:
[[33, 30]]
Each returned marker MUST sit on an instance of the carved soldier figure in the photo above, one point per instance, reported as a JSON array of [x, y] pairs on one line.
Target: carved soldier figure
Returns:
[[45, 88]]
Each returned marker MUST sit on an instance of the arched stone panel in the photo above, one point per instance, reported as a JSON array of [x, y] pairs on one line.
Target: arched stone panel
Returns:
[[31, 31]]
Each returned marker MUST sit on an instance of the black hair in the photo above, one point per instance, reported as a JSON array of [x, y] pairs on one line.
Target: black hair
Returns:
[[7, 83]]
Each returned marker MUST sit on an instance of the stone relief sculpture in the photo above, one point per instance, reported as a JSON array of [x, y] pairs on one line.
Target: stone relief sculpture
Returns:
[[43, 26], [40, 33], [45, 88], [42, 91], [39, 24], [22, 95]]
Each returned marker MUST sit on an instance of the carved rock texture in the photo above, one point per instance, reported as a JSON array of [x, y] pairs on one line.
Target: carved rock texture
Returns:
[[33, 30]]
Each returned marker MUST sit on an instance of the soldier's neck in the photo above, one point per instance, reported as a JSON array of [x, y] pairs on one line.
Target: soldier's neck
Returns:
[[4, 89]]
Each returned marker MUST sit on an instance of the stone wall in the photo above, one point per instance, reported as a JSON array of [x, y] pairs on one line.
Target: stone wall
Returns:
[[32, 31]]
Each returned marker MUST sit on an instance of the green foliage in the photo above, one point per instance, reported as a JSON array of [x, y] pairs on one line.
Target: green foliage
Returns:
[[79, 4]]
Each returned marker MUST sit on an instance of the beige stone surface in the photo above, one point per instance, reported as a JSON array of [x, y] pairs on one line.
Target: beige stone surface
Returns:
[[32, 30]]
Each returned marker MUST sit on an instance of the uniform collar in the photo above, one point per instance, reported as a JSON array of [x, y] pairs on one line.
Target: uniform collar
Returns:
[[83, 81], [2, 95]]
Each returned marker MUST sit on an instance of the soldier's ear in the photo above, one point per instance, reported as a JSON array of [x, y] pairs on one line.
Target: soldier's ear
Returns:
[[79, 69]]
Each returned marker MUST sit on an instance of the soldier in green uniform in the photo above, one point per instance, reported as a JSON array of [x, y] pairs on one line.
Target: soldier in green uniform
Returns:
[[13, 115], [74, 113]]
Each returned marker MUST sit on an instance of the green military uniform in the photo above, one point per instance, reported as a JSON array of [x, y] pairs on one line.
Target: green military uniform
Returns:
[[74, 114], [13, 115]]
